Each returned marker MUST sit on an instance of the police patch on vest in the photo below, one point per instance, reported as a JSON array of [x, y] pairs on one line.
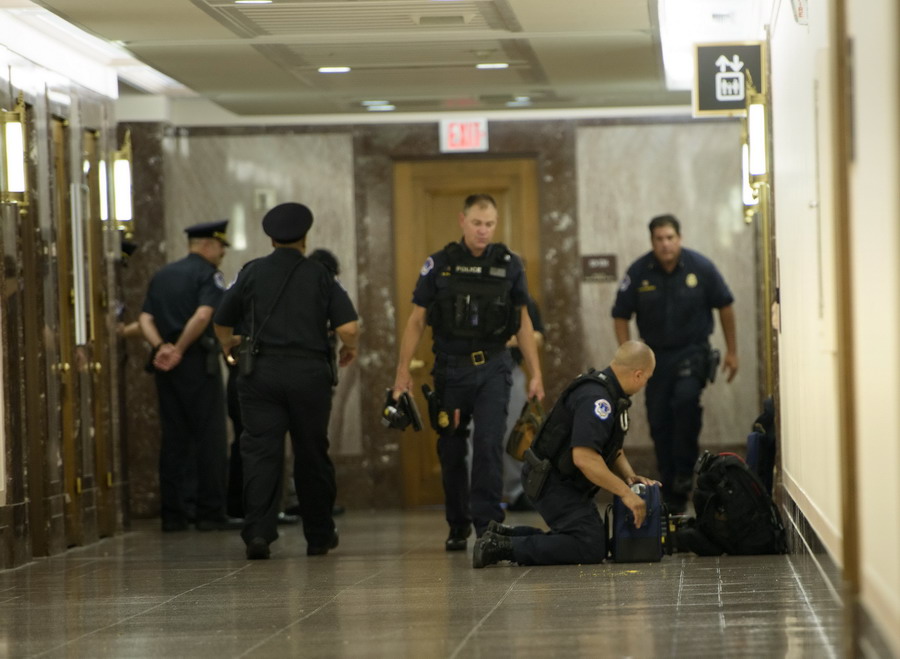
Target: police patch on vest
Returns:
[[428, 267], [219, 279], [691, 280], [602, 409]]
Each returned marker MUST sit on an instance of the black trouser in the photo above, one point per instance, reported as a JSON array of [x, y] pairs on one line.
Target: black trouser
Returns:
[[481, 394], [577, 533], [192, 457], [234, 500], [287, 395], [674, 412]]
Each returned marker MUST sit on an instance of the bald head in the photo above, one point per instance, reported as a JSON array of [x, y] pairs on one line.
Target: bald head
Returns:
[[633, 365]]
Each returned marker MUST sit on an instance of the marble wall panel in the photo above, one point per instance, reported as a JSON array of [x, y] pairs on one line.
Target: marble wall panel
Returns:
[[626, 175]]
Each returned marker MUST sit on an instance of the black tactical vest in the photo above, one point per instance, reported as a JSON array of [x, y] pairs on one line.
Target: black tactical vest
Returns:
[[474, 297], [553, 440]]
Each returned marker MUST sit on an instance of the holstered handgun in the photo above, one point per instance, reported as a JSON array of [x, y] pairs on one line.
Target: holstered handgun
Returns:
[[715, 357], [538, 470]]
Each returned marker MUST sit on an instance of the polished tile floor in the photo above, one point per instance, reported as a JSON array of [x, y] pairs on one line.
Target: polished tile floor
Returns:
[[390, 590]]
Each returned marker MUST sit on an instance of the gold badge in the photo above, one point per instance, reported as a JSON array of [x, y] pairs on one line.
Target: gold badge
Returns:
[[691, 280], [443, 419]]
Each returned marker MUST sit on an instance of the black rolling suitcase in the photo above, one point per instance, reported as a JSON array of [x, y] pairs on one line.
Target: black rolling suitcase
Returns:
[[638, 545]]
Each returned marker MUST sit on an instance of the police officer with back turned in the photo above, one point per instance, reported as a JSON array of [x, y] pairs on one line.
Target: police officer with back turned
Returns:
[[577, 451], [672, 291], [473, 293], [175, 321], [284, 304]]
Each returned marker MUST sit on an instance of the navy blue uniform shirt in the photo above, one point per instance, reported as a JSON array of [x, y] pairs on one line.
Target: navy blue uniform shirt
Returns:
[[426, 290], [674, 309], [594, 412], [312, 301], [176, 291]]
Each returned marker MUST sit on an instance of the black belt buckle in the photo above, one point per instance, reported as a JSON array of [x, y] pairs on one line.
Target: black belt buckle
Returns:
[[478, 358]]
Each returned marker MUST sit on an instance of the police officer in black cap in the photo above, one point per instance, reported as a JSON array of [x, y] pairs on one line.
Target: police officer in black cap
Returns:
[[176, 321], [473, 293], [284, 304]]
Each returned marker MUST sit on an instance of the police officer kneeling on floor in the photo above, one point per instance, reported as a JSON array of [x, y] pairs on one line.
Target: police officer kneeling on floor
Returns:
[[578, 450], [285, 304]]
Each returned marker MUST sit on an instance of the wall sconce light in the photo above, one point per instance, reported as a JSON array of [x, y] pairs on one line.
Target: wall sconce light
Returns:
[[13, 179], [756, 135], [121, 179]]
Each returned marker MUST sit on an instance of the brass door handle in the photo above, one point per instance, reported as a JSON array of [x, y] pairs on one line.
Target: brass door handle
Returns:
[[97, 366]]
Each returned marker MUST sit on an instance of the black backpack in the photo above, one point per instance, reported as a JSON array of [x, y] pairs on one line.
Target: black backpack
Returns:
[[735, 514]]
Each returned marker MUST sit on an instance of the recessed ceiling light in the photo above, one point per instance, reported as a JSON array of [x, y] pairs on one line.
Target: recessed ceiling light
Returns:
[[253, 2], [370, 103], [334, 69], [381, 108], [492, 65]]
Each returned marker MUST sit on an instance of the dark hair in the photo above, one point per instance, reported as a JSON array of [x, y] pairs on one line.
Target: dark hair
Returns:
[[665, 221], [328, 259], [481, 199]]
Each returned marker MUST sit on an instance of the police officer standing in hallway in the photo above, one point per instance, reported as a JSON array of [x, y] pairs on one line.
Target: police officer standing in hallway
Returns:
[[176, 321], [473, 293], [285, 304], [672, 291], [577, 452]]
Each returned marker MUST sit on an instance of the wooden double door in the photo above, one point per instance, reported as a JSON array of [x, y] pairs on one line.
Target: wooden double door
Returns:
[[428, 197]]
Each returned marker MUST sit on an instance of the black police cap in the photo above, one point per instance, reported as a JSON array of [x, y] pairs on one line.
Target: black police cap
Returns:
[[288, 222], [210, 230]]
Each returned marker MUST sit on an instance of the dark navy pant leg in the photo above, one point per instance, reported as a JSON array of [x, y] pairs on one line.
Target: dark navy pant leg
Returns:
[[577, 533]]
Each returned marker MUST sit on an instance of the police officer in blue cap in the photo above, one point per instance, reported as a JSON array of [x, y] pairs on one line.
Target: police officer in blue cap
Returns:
[[176, 321], [284, 305]]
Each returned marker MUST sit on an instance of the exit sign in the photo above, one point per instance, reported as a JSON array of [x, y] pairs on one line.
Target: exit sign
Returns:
[[464, 135]]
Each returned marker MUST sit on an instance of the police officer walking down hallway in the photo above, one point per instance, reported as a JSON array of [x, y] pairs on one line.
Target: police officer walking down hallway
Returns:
[[672, 291], [473, 293], [176, 321], [284, 305], [577, 451]]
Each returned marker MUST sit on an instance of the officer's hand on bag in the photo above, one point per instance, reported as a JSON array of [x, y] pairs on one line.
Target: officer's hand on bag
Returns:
[[637, 506]]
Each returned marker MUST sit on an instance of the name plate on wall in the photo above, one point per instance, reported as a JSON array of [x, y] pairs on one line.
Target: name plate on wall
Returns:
[[599, 267]]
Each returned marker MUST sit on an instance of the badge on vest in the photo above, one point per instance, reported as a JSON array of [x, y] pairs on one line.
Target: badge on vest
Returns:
[[497, 272], [691, 280]]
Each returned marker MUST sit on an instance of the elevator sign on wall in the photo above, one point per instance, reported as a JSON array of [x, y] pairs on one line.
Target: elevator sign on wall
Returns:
[[460, 135], [720, 80]]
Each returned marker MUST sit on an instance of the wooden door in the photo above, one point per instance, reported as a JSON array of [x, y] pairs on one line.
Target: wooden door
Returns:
[[428, 197], [71, 359], [99, 337]]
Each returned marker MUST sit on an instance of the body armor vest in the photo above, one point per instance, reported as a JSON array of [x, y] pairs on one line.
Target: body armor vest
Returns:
[[474, 297], [553, 441]]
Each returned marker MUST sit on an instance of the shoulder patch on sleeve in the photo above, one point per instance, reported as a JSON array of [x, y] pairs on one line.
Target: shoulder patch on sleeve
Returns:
[[219, 278], [428, 267], [602, 409], [626, 282]]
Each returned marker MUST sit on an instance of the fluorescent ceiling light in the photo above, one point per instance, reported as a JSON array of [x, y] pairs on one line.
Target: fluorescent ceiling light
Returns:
[[368, 103], [684, 24], [334, 69], [492, 65], [253, 2], [382, 108]]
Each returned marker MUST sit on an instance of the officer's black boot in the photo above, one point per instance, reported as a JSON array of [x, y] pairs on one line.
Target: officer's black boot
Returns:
[[497, 528], [457, 540], [491, 548]]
